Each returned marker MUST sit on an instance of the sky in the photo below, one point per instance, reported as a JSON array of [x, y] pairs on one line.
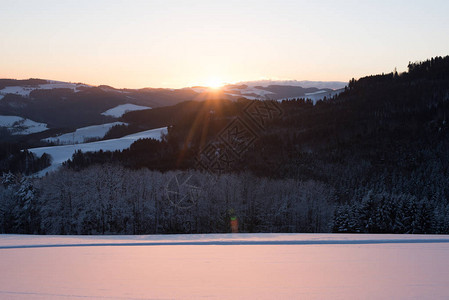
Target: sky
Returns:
[[173, 44]]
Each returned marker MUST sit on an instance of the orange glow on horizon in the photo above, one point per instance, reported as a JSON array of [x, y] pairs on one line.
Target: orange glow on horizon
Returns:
[[214, 83]]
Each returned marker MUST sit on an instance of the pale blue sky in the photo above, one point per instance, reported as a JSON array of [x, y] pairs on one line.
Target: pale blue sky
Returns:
[[183, 43]]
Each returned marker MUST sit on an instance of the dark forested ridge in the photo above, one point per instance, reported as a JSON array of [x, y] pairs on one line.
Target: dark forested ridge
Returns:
[[372, 159], [13, 82]]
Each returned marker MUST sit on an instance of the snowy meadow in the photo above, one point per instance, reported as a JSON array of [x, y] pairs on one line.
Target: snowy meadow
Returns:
[[225, 266]]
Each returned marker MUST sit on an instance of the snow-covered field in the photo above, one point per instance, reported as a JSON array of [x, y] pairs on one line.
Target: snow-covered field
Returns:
[[304, 83], [60, 154], [18, 125], [316, 96], [253, 91], [26, 90], [120, 110], [249, 92], [319, 95], [81, 134], [225, 266]]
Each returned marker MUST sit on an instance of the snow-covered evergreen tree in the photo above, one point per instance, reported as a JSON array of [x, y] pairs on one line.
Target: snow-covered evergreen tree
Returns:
[[26, 209]]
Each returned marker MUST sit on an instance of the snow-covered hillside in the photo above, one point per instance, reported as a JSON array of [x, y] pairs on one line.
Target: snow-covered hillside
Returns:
[[225, 266], [318, 95], [334, 85], [83, 134], [120, 110], [60, 154], [21, 126], [26, 90], [321, 94], [249, 93], [277, 90]]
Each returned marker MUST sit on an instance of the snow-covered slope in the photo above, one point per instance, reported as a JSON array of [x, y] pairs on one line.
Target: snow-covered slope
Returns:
[[21, 126], [251, 93], [315, 96], [120, 110], [82, 134], [276, 90], [334, 85], [26, 90], [60, 154], [321, 94]]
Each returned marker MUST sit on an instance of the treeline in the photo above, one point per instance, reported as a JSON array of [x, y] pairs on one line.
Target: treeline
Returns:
[[111, 199], [388, 213], [118, 131], [144, 153], [15, 82], [435, 68], [15, 160]]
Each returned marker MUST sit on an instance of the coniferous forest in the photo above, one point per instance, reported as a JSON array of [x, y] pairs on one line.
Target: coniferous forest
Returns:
[[372, 159]]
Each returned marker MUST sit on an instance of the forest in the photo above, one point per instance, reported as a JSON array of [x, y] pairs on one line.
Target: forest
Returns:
[[372, 159]]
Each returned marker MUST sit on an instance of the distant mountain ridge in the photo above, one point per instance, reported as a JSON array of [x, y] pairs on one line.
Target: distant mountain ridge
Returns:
[[334, 85], [67, 105]]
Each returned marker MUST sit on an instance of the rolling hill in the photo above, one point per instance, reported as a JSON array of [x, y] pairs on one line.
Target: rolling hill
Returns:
[[70, 106]]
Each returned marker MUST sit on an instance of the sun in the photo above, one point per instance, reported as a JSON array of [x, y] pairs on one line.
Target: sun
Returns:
[[214, 83]]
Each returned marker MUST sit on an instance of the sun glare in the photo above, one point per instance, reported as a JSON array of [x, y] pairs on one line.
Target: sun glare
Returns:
[[214, 83]]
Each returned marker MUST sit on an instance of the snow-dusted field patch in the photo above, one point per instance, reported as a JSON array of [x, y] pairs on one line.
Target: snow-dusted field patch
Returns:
[[81, 134], [18, 125], [26, 90], [230, 266], [319, 95], [60, 154], [120, 110]]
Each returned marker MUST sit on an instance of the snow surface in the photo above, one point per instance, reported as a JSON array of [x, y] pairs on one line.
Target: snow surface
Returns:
[[240, 95], [199, 90], [120, 110], [303, 83], [230, 266], [110, 89], [81, 134], [26, 90], [61, 154], [321, 94], [315, 96], [18, 125], [251, 93], [254, 91], [36, 241], [315, 93]]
